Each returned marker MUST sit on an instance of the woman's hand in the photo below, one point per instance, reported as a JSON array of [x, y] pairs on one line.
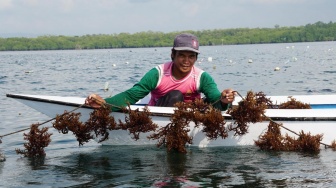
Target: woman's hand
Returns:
[[228, 96], [95, 101]]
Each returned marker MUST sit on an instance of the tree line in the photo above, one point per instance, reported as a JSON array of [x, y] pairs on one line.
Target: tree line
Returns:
[[318, 31]]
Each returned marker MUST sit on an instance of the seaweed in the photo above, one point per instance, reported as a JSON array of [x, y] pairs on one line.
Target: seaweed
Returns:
[[101, 122], [70, 122], [333, 145], [37, 139], [252, 110], [137, 122], [175, 135], [294, 104], [273, 140], [249, 110], [260, 98]]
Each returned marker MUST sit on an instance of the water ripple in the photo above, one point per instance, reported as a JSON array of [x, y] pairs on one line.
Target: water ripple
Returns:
[[81, 72]]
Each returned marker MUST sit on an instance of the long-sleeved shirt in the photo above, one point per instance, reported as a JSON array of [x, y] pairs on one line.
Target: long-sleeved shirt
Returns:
[[149, 82]]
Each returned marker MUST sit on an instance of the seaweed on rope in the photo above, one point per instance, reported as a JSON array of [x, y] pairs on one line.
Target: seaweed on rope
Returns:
[[249, 110], [252, 109], [275, 141], [137, 122], [294, 104], [174, 136], [38, 139], [101, 122]]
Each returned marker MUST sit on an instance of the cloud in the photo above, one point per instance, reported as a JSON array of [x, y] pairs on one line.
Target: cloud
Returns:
[[80, 17], [274, 2], [67, 5], [6, 4]]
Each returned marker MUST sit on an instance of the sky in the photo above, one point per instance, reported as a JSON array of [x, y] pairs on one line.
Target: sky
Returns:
[[81, 17]]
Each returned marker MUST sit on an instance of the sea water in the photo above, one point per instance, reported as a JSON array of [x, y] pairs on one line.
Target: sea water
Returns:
[[275, 69]]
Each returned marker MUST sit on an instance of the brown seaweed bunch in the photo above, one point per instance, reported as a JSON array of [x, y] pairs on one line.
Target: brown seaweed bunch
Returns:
[[175, 135], [100, 122], [70, 122], [273, 140], [333, 145], [249, 110], [137, 122], [308, 143], [294, 104], [212, 120], [261, 98], [37, 139]]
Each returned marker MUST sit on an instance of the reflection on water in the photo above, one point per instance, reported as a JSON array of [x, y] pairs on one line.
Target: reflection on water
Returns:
[[147, 166]]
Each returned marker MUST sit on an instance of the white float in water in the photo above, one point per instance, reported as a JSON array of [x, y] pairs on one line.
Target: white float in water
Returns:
[[106, 86], [276, 68], [209, 59], [28, 71], [250, 61], [114, 65]]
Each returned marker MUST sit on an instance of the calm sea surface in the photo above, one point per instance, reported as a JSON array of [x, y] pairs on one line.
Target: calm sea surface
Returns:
[[305, 68]]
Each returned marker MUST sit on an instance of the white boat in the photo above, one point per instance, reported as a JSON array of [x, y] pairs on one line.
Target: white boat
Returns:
[[321, 119]]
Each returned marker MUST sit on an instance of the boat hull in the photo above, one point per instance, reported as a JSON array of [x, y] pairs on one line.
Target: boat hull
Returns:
[[327, 128], [314, 121]]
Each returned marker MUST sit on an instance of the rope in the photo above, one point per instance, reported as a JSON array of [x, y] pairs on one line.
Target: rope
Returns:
[[95, 99], [80, 106], [1, 136], [279, 124], [111, 105]]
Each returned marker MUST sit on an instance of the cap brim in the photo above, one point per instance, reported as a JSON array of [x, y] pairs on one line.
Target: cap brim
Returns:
[[187, 49]]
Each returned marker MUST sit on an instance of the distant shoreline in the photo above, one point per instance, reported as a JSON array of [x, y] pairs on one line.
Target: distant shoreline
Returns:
[[316, 32]]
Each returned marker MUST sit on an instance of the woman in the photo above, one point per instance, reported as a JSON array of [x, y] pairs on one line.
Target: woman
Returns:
[[171, 82]]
